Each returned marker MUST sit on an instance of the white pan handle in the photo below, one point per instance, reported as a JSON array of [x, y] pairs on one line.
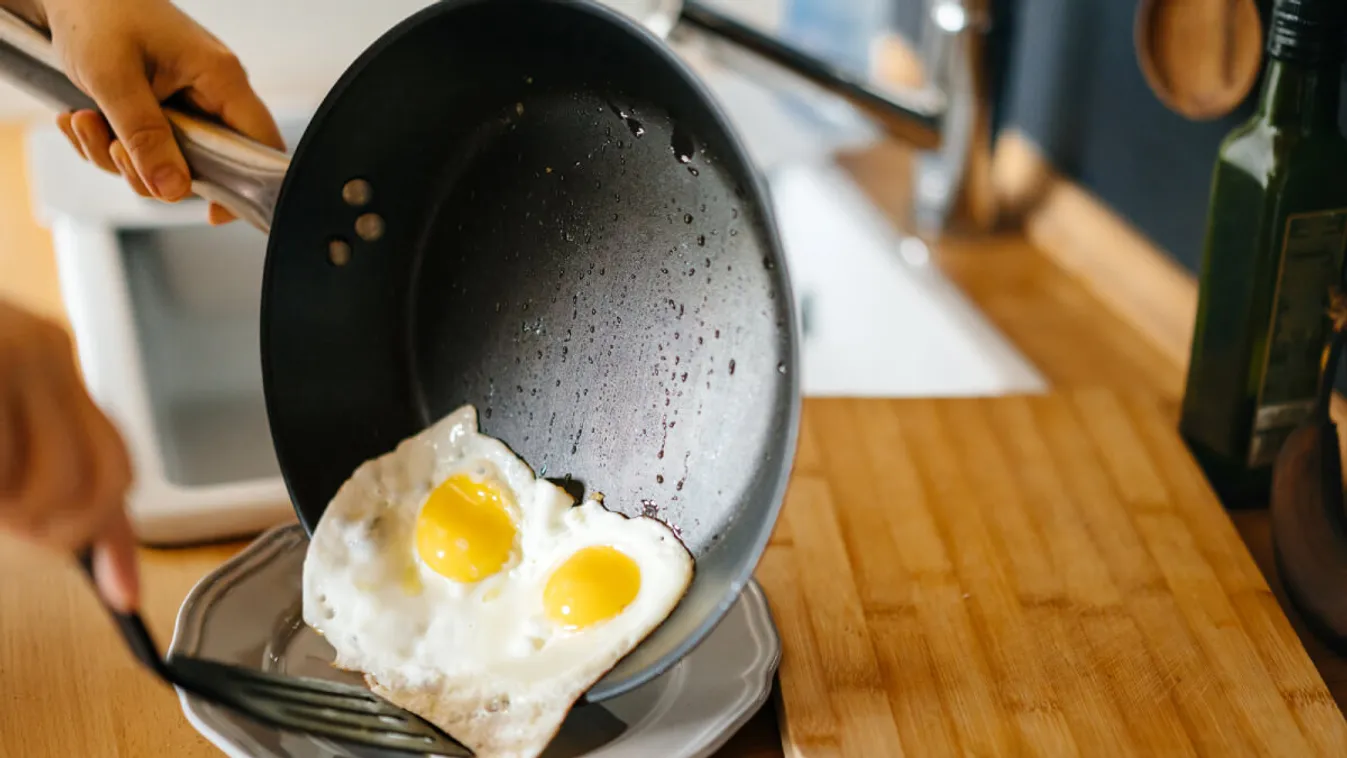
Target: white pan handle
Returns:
[[242, 175]]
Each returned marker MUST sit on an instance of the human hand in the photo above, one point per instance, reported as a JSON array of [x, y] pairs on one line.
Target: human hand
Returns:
[[64, 471], [131, 55]]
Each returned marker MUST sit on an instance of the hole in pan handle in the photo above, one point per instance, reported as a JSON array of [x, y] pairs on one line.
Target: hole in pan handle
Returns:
[[228, 168]]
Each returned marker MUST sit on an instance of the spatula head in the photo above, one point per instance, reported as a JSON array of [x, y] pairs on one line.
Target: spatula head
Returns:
[[339, 712]]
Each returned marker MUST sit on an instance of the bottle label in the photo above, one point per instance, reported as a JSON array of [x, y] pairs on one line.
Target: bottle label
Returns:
[[1311, 261]]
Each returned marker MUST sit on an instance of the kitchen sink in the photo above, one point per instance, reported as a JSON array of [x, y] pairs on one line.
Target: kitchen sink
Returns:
[[877, 318]]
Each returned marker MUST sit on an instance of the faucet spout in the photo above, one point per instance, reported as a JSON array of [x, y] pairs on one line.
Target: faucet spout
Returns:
[[911, 115], [947, 118], [952, 186]]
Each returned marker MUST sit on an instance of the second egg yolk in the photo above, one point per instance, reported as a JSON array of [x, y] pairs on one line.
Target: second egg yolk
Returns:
[[464, 531], [593, 585]]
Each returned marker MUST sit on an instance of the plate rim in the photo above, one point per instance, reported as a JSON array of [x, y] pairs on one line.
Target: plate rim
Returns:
[[190, 623]]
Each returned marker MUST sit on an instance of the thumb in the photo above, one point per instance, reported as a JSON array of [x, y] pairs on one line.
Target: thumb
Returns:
[[122, 90], [115, 569]]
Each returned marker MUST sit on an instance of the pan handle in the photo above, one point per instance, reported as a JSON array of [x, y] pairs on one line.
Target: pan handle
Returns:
[[228, 168], [912, 116]]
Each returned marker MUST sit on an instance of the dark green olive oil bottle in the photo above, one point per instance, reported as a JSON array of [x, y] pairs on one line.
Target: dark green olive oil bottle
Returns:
[[1276, 230]]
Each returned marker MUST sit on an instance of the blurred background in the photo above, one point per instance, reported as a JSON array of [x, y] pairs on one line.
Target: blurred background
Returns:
[[1064, 72], [1050, 239]]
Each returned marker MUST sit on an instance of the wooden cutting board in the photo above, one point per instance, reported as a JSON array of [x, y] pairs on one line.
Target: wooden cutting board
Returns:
[[1040, 575]]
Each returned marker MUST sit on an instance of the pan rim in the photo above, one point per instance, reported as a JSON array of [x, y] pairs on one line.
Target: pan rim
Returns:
[[776, 484]]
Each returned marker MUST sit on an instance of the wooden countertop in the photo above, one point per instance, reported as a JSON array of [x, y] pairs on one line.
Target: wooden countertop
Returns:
[[1022, 576], [993, 575], [70, 689]]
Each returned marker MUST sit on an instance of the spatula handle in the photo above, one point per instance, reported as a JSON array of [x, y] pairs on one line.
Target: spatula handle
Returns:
[[242, 175], [131, 626]]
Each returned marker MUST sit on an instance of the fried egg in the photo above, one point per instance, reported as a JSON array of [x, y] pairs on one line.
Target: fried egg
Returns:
[[478, 595]]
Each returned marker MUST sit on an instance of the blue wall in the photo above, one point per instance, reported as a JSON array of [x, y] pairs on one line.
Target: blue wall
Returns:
[[1074, 86], [1065, 72]]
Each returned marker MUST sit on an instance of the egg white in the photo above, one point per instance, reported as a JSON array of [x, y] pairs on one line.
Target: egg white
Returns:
[[480, 660]]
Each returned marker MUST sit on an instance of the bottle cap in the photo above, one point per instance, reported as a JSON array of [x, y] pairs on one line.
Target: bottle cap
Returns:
[[1307, 31]]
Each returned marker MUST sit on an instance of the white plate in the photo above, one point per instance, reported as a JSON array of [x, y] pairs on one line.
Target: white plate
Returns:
[[247, 612]]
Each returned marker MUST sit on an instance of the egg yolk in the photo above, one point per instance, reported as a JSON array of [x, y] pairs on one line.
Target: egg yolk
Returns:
[[593, 585], [464, 531]]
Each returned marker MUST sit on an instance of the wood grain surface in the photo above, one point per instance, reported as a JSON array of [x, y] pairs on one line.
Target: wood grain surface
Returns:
[[1028, 575], [1025, 576], [70, 690]]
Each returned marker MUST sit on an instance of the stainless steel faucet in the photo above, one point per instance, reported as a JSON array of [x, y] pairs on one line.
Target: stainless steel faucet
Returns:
[[952, 182], [947, 118]]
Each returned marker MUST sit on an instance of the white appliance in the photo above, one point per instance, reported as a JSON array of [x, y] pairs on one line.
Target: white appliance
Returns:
[[165, 314]]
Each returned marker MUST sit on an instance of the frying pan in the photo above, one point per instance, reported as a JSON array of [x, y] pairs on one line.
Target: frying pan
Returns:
[[532, 206]]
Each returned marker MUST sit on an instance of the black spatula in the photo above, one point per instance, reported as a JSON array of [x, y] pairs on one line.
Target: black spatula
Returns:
[[333, 711]]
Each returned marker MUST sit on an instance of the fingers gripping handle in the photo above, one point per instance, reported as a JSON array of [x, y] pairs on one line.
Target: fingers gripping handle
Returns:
[[228, 168]]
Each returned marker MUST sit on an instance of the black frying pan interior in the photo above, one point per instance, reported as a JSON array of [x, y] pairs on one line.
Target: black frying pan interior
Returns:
[[574, 242]]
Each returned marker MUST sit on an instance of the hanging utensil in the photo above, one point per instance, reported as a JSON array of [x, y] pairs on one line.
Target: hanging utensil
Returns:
[[1200, 57]]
